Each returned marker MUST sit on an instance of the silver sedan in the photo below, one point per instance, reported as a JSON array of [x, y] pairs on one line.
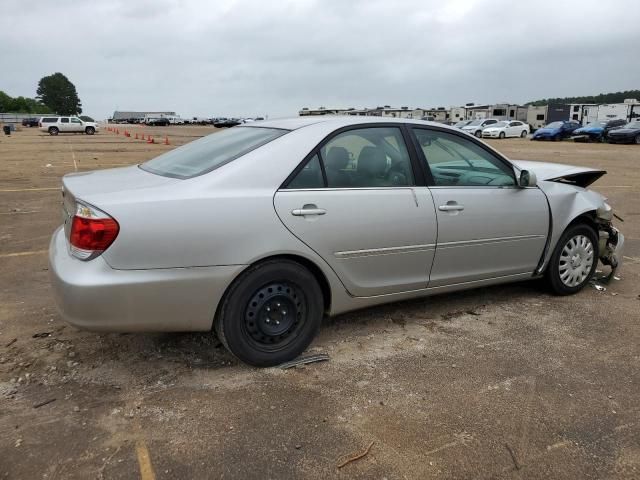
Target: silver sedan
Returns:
[[260, 231]]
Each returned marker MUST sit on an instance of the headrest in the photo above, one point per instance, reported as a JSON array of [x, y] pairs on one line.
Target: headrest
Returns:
[[372, 161]]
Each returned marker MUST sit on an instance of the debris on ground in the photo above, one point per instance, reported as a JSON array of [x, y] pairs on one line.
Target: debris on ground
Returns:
[[321, 357], [11, 342], [45, 402], [356, 456], [513, 456], [594, 283], [41, 335]]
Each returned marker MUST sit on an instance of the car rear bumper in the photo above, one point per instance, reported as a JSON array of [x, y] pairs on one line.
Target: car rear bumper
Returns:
[[93, 296]]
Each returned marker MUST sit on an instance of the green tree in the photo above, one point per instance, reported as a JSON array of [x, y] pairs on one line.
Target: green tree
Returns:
[[21, 105], [59, 94]]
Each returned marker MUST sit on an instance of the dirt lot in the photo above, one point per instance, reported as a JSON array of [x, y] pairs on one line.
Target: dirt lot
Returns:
[[503, 382]]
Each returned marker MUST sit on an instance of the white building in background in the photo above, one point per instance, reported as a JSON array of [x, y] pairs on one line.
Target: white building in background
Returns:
[[537, 116], [628, 110], [583, 112]]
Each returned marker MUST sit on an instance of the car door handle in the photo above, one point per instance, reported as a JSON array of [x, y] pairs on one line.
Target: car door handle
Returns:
[[308, 210], [451, 207]]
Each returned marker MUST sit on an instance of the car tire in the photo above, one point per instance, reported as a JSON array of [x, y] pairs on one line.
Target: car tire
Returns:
[[271, 313], [501, 135], [53, 131], [478, 134], [523, 134], [555, 138], [637, 140], [574, 260], [89, 130]]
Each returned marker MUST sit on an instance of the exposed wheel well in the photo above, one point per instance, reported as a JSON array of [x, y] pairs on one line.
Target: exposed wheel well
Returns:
[[588, 218]]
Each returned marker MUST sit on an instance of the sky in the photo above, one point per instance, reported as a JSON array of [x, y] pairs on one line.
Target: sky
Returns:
[[255, 57]]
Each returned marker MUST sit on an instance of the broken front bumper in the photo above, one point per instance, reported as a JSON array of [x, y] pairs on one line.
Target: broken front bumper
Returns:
[[611, 246]]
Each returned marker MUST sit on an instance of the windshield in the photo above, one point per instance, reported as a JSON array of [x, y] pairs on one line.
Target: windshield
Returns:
[[596, 124], [633, 124], [499, 124], [554, 125], [210, 152], [461, 124], [475, 123]]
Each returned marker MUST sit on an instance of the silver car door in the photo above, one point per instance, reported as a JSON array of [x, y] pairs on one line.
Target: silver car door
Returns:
[[355, 204], [487, 226], [65, 125]]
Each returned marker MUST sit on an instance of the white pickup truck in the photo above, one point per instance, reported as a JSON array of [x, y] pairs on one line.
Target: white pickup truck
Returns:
[[56, 125]]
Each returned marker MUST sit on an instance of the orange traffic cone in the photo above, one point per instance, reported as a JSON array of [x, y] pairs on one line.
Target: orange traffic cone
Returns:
[[142, 137], [150, 139], [136, 136], [166, 140], [117, 131]]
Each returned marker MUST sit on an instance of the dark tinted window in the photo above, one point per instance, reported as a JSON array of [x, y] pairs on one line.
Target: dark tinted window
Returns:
[[64, 120], [49, 120], [457, 161], [210, 152], [309, 177]]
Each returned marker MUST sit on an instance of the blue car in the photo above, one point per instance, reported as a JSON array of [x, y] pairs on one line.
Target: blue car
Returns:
[[596, 131], [556, 130]]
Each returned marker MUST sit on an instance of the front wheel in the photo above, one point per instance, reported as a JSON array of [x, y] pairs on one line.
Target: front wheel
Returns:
[[53, 131], [502, 135], [523, 134], [478, 134], [574, 260], [637, 139], [271, 313], [90, 130]]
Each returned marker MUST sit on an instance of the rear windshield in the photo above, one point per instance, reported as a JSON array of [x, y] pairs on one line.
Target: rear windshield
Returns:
[[210, 152]]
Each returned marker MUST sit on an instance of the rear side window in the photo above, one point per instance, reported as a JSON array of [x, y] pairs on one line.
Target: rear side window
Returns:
[[49, 120], [211, 152]]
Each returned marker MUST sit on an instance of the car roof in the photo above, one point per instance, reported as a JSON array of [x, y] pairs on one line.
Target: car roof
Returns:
[[336, 121]]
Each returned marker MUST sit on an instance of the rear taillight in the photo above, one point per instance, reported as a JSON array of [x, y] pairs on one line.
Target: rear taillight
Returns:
[[92, 231]]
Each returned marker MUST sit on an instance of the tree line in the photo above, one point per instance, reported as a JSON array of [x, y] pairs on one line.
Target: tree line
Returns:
[[55, 94], [616, 97]]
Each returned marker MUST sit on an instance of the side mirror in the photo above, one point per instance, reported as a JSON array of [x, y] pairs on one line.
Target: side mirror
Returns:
[[527, 179]]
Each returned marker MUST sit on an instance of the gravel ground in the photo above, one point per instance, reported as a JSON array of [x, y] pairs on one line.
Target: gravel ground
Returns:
[[501, 382]]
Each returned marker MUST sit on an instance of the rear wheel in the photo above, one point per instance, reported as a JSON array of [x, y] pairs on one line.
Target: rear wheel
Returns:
[[523, 134], [271, 313], [53, 130], [574, 260], [89, 130]]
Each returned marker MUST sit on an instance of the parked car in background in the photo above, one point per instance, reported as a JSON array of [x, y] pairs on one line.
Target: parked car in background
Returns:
[[462, 123], [351, 212], [56, 125], [158, 122], [597, 131], [226, 122], [629, 133], [506, 128], [30, 122], [476, 126], [556, 130]]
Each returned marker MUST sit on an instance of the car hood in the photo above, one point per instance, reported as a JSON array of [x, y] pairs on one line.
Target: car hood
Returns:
[[493, 129], [589, 130], [547, 130], [625, 131], [557, 172]]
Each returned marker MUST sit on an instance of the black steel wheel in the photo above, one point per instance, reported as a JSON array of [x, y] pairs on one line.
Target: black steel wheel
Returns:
[[53, 131], [90, 130], [271, 313]]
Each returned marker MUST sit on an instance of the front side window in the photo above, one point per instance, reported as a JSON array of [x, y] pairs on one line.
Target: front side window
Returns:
[[367, 157], [210, 152], [75, 120], [459, 162]]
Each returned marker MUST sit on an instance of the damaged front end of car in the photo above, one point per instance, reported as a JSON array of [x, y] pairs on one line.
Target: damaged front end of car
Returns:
[[611, 241]]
